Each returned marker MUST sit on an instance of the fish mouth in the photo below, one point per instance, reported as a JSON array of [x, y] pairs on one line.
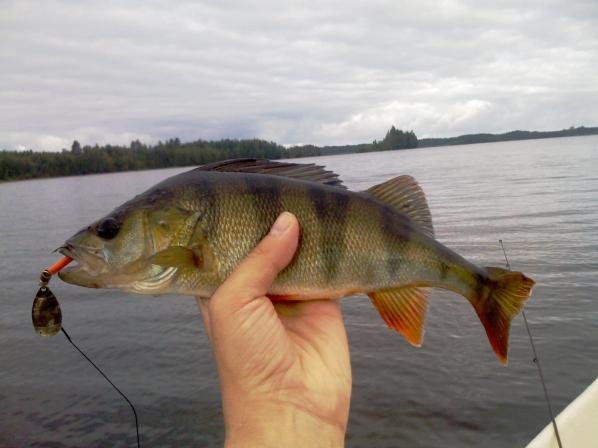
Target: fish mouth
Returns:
[[91, 270], [91, 260], [88, 268]]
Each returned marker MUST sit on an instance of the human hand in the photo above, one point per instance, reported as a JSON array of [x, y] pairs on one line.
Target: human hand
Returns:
[[284, 367]]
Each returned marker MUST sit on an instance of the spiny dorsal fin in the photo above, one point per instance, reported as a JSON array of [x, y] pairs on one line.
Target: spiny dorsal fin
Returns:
[[301, 171], [404, 310], [404, 194]]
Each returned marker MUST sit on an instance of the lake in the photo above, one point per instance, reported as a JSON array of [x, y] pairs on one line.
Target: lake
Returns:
[[539, 196]]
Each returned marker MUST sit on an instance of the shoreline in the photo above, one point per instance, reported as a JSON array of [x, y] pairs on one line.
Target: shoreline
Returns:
[[332, 153]]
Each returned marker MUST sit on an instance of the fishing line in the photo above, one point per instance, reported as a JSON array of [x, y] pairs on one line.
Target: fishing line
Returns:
[[107, 379], [47, 321], [536, 360]]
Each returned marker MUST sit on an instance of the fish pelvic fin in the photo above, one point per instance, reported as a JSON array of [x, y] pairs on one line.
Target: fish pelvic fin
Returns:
[[503, 299], [403, 310], [405, 195]]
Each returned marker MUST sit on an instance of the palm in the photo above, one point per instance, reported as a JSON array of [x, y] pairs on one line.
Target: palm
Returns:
[[295, 353], [318, 355], [284, 367]]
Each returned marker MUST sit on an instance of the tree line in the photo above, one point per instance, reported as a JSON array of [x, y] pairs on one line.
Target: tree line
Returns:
[[394, 139], [507, 136], [16, 165]]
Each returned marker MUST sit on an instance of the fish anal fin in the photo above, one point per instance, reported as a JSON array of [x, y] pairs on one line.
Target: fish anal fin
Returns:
[[301, 171], [404, 194], [404, 310]]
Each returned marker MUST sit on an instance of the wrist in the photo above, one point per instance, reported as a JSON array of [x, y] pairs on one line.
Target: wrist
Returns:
[[281, 426]]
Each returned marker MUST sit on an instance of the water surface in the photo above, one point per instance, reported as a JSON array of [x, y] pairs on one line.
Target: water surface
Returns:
[[540, 197]]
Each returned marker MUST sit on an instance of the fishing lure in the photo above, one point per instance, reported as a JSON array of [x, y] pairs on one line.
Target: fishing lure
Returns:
[[47, 321], [45, 312]]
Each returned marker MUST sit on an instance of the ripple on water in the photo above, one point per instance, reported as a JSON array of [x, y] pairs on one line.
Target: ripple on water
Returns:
[[452, 392]]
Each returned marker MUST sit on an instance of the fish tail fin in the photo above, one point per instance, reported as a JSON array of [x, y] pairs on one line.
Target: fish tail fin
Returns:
[[504, 295]]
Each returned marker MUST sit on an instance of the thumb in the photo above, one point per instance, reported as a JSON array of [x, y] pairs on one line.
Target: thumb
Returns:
[[254, 275]]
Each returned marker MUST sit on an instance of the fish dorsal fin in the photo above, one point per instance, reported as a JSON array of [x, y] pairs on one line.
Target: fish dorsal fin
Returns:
[[301, 171], [404, 194], [404, 310]]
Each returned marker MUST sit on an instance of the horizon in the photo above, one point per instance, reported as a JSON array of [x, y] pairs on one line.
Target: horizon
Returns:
[[182, 142], [327, 73]]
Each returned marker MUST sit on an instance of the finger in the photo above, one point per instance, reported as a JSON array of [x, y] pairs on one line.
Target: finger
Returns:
[[254, 275], [202, 304]]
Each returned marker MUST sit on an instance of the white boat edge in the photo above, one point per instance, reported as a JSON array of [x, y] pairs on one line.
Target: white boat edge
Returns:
[[577, 423]]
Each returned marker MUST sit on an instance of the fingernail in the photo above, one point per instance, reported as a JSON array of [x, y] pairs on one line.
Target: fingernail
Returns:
[[282, 223]]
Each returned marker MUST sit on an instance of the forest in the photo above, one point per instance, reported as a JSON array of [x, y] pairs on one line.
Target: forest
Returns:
[[507, 136], [78, 160], [16, 165]]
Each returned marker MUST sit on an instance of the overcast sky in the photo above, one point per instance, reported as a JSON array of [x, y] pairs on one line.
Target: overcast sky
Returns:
[[323, 72]]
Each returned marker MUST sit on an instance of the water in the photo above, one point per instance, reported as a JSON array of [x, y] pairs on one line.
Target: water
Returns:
[[540, 197]]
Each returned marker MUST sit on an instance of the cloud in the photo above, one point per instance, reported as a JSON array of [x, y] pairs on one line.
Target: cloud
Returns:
[[326, 72], [410, 115]]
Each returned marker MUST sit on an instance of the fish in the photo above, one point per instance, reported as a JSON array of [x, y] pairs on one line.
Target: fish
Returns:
[[186, 235]]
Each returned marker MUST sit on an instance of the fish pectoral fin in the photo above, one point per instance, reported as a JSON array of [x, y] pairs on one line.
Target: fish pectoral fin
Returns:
[[404, 310], [405, 195], [195, 257], [174, 256]]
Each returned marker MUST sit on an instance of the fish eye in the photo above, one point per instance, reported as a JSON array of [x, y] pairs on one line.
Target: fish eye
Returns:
[[108, 228]]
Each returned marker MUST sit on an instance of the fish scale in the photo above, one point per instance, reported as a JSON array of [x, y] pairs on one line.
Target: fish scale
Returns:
[[187, 234]]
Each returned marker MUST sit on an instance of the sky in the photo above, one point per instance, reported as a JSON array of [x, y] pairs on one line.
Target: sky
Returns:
[[294, 72]]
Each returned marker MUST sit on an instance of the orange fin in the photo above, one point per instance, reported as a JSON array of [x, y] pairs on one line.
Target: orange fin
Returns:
[[404, 310], [404, 194], [503, 302]]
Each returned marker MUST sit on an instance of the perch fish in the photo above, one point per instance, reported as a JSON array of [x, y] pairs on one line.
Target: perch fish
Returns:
[[186, 234]]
